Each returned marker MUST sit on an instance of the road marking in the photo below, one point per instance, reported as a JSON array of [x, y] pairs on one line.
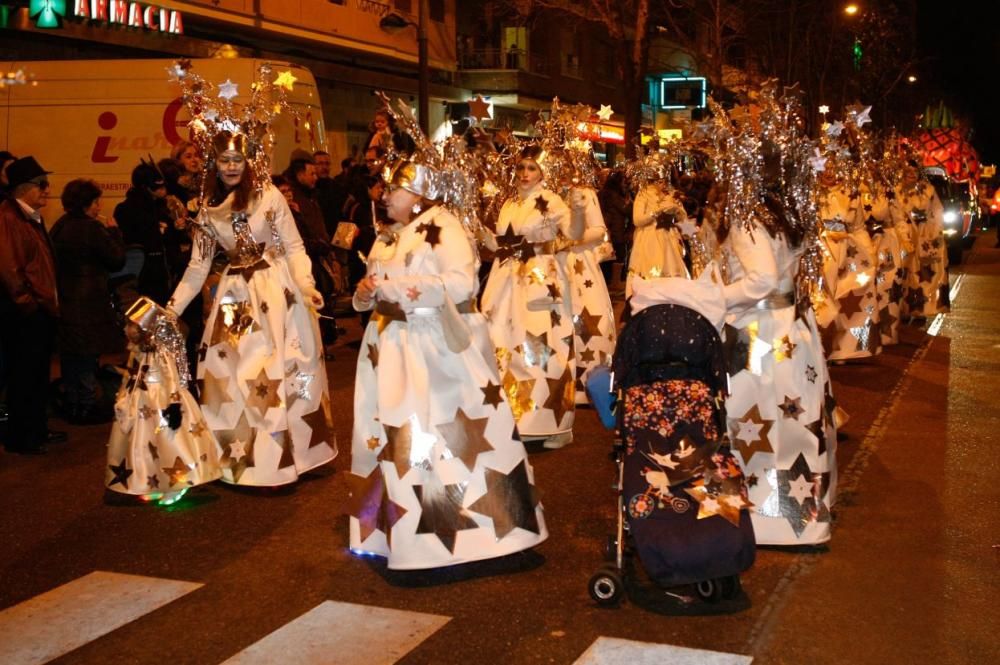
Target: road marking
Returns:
[[67, 617], [612, 651], [333, 633]]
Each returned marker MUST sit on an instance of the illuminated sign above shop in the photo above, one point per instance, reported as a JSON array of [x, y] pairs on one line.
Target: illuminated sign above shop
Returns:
[[48, 14]]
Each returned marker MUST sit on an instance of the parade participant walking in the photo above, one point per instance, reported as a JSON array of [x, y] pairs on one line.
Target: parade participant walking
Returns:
[[889, 255], [528, 302], [657, 249], [927, 268], [88, 247], [264, 388], [438, 477], [29, 307]]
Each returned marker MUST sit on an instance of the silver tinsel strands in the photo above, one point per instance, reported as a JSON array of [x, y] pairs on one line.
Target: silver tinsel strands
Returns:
[[168, 339]]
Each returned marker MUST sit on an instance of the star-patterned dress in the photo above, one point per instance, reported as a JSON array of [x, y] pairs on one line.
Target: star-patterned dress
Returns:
[[780, 409], [847, 312], [159, 442], [438, 476], [593, 317], [657, 247], [264, 390], [889, 252], [528, 304], [927, 269]]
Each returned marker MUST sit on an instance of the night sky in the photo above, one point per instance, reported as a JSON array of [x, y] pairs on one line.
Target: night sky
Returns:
[[961, 41]]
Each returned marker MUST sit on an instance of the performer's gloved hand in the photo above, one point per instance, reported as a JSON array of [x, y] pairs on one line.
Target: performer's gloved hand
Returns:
[[313, 297], [577, 200], [365, 290]]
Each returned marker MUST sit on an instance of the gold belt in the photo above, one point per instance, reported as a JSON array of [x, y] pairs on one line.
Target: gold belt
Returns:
[[777, 301]]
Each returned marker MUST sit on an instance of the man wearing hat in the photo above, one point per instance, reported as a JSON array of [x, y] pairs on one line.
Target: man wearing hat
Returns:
[[29, 306]]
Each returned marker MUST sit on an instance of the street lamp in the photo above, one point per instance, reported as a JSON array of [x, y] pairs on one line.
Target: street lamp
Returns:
[[851, 9], [393, 21], [911, 79]]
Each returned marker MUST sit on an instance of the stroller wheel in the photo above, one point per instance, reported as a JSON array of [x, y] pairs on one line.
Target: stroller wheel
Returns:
[[606, 586], [731, 586], [709, 590]]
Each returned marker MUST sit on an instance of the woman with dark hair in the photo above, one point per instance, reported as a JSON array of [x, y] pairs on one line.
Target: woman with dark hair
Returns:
[[527, 302], [88, 247], [264, 388], [617, 210]]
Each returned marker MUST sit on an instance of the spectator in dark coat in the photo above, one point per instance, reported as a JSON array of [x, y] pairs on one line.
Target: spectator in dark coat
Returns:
[[145, 222], [88, 247], [5, 160], [617, 210]]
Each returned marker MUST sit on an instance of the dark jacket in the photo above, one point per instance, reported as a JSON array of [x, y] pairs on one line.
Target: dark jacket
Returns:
[[617, 212], [87, 252], [139, 216], [27, 264], [310, 221]]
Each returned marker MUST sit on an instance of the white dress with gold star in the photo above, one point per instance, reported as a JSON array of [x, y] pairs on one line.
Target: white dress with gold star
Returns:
[[593, 317], [780, 410], [528, 303], [848, 314], [889, 252], [159, 442], [263, 382], [927, 269], [437, 475], [657, 248]]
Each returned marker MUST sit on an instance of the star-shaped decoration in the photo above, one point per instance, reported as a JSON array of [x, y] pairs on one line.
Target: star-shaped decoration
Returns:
[[751, 433], [369, 502], [824, 109], [510, 245], [587, 356], [197, 428], [441, 512], [587, 325], [578, 267], [861, 118], [800, 489], [432, 233], [896, 291], [407, 446], [752, 480], [264, 308], [519, 394], [536, 350], [289, 297], [926, 273], [233, 320], [373, 442], [243, 435], [145, 412], [605, 113], [712, 502], [413, 293], [223, 354], [811, 374], [792, 408], [555, 318], [541, 204], [781, 503], [491, 394], [153, 482], [817, 161], [466, 437], [562, 395], [373, 354], [850, 304], [284, 442], [285, 80], [215, 392], [153, 451], [588, 283], [176, 472], [479, 108], [510, 501], [237, 450], [835, 129], [783, 349], [553, 290], [320, 424], [227, 89], [121, 474], [262, 393]]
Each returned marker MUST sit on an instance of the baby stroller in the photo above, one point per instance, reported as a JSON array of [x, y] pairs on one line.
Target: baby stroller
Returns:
[[682, 498]]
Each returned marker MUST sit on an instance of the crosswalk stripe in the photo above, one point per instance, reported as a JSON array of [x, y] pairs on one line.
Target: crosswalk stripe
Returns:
[[613, 651], [332, 633], [67, 617]]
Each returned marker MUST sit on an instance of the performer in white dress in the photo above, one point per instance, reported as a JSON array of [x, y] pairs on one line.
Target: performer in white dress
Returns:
[[927, 268], [264, 391], [657, 248], [889, 255], [593, 317], [438, 476], [528, 303]]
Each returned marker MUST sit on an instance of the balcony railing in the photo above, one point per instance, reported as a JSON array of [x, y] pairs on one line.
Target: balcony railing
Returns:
[[494, 58]]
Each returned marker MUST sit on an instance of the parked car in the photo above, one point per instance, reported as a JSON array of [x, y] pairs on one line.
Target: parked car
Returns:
[[961, 210]]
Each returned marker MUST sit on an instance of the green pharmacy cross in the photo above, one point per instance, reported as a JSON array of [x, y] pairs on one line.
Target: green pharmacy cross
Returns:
[[47, 13], [857, 53]]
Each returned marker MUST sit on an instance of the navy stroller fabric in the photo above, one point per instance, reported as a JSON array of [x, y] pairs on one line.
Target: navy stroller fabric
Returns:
[[670, 367]]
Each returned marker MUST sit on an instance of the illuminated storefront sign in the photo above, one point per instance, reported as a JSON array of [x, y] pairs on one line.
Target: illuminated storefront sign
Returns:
[[595, 131], [48, 14]]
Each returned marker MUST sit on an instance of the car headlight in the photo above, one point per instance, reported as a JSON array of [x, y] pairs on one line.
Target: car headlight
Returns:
[[950, 217]]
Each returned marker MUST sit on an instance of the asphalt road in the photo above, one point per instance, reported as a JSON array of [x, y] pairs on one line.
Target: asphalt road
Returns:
[[909, 576]]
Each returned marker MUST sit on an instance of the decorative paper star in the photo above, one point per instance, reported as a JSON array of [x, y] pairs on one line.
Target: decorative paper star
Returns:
[[176, 472], [227, 89], [554, 291], [298, 384], [197, 428], [588, 283], [285, 80], [145, 412], [710, 503], [555, 317], [215, 392], [233, 320], [479, 108], [519, 394], [373, 442], [926, 273], [562, 395], [432, 233], [373, 355], [244, 436], [536, 351], [861, 119], [835, 129], [780, 503], [605, 113], [541, 204], [264, 308], [587, 325], [824, 109], [491, 394], [284, 441], [121, 474], [289, 297], [587, 356], [851, 304], [153, 482], [811, 374], [237, 450], [262, 393], [792, 408], [320, 424], [509, 245], [510, 501], [369, 502], [578, 267], [817, 161], [783, 349], [466, 437], [153, 451], [407, 446], [441, 512], [751, 434]]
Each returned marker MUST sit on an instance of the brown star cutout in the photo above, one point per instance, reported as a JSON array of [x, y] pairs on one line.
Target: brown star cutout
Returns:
[[541, 204], [368, 501], [562, 395], [176, 472], [215, 392], [320, 423], [373, 355], [432, 233], [466, 437], [510, 501], [586, 325], [262, 393], [491, 394]]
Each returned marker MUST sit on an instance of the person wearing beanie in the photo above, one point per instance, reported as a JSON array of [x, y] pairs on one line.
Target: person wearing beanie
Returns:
[[145, 222]]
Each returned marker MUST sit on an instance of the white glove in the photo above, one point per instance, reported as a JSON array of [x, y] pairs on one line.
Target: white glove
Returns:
[[577, 200]]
